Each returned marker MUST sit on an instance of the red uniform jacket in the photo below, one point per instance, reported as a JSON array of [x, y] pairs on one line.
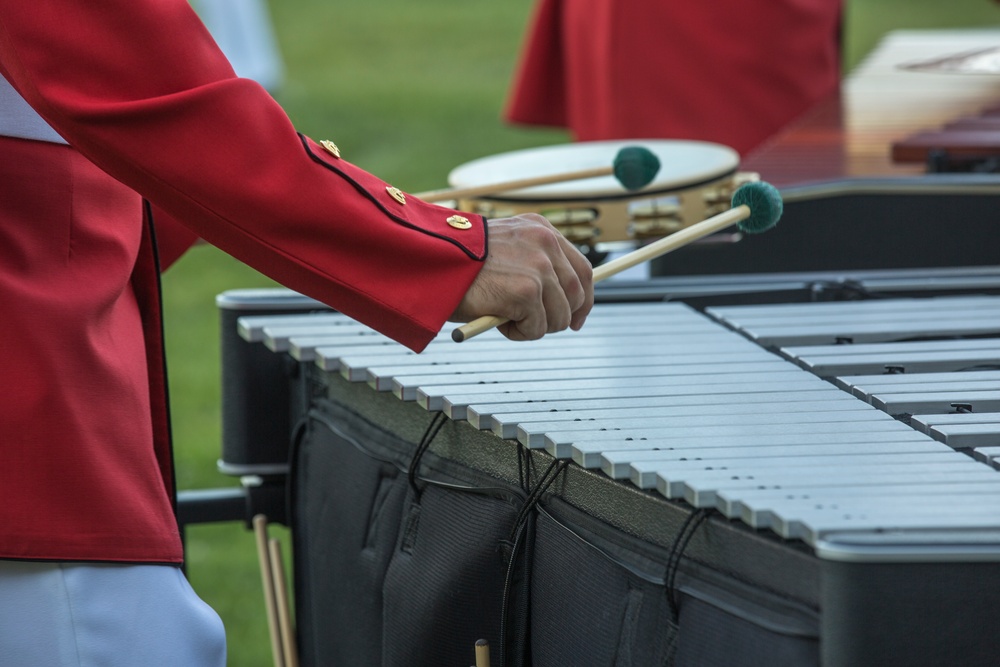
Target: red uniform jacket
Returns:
[[727, 71], [139, 89]]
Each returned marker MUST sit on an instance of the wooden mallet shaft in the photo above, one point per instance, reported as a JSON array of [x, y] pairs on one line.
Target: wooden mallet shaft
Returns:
[[282, 605], [473, 191], [634, 166], [644, 254], [267, 579], [482, 653], [678, 239]]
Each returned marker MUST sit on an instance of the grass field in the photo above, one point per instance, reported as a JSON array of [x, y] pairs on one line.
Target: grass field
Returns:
[[408, 90]]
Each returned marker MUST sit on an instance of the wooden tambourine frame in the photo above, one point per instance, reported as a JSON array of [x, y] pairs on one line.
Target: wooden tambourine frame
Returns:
[[695, 181]]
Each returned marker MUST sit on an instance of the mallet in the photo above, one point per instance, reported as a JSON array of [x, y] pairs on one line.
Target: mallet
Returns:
[[756, 206], [634, 166]]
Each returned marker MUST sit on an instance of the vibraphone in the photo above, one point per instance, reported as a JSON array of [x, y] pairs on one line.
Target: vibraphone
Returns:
[[770, 484]]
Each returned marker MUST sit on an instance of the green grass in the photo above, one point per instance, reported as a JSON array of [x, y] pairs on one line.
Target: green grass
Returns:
[[408, 90]]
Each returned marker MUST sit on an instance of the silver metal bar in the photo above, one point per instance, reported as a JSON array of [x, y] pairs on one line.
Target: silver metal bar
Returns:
[[670, 480], [428, 389], [925, 422], [572, 420], [481, 413], [850, 382], [731, 502], [851, 364], [846, 309], [972, 436], [619, 466], [872, 332], [381, 374], [895, 404], [590, 453]]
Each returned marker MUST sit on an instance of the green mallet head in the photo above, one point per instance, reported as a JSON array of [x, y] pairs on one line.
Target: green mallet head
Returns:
[[635, 167], [764, 202]]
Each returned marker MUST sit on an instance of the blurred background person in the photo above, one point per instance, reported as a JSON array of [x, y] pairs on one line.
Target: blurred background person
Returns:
[[728, 71], [244, 32]]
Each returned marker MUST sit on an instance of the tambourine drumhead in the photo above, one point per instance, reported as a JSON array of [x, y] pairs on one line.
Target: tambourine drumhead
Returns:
[[683, 165]]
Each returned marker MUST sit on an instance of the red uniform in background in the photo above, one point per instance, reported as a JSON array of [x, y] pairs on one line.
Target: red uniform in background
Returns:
[[729, 71]]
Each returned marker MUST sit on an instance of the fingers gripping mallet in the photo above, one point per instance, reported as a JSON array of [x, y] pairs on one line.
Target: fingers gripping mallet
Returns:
[[756, 207], [635, 167]]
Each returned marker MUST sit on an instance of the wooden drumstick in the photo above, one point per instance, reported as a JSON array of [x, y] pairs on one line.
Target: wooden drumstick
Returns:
[[291, 656], [756, 207], [482, 653], [267, 579], [633, 166]]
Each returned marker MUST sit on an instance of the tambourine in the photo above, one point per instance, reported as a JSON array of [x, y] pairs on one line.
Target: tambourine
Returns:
[[695, 181]]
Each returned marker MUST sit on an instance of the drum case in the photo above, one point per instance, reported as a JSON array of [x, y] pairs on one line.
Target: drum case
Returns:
[[393, 571]]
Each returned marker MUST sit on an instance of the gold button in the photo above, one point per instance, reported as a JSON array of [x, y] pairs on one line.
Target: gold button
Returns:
[[330, 147], [459, 222], [396, 194]]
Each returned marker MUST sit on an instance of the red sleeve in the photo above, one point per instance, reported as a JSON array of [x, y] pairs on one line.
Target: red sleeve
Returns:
[[140, 88]]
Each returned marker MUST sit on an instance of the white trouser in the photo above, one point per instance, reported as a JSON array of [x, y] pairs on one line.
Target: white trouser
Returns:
[[104, 615]]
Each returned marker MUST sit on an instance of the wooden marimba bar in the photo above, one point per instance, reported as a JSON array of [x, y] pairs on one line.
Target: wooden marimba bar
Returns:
[[668, 399], [851, 135]]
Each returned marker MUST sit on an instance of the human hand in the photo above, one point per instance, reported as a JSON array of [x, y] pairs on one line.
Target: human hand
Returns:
[[533, 277]]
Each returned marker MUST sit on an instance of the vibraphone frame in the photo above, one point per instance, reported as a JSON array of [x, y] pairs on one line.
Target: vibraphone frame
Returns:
[[770, 600]]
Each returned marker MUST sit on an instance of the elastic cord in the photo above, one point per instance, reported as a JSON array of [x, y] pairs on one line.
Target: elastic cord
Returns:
[[544, 482], [687, 531], [425, 442], [518, 536]]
